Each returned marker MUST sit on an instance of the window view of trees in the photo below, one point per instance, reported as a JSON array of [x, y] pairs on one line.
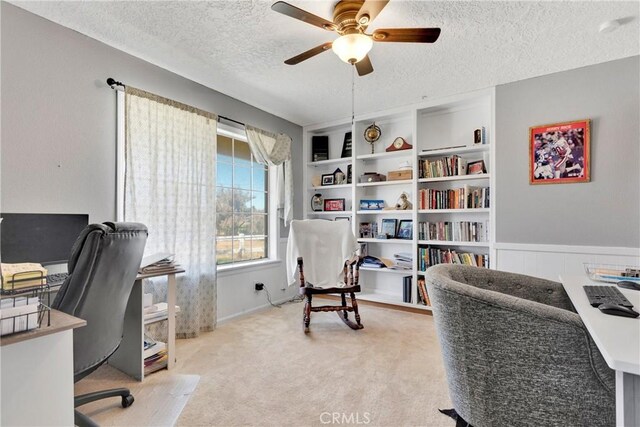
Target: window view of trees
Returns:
[[241, 203]]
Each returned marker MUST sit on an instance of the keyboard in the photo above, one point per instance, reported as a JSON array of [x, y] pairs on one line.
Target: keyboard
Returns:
[[605, 295], [56, 279]]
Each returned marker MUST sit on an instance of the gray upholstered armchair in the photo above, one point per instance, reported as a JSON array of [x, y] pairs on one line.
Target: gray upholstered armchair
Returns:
[[515, 351]]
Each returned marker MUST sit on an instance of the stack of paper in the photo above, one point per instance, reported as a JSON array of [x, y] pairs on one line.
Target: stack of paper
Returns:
[[403, 261], [157, 263], [155, 348], [18, 314], [22, 275]]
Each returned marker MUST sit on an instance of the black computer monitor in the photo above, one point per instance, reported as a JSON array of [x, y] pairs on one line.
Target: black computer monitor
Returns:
[[41, 238]]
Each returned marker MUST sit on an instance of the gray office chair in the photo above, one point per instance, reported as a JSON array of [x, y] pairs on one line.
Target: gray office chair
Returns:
[[515, 352], [103, 265]]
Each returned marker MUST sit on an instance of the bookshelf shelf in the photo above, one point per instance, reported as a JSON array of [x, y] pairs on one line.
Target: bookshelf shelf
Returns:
[[449, 211], [386, 241], [437, 129], [342, 213], [330, 187], [155, 320], [390, 299], [329, 162], [453, 243], [387, 270], [455, 150], [386, 155], [455, 178], [385, 212], [384, 183]]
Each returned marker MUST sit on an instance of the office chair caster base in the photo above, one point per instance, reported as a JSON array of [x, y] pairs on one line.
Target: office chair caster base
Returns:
[[127, 401]]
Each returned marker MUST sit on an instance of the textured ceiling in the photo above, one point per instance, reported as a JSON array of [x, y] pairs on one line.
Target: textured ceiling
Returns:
[[238, 47]]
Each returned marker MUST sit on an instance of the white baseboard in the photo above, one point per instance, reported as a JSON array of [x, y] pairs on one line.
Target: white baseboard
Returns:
[[551, 261], [252, 310]]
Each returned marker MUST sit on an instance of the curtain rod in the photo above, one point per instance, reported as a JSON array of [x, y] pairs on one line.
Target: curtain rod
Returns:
[[116, 85]]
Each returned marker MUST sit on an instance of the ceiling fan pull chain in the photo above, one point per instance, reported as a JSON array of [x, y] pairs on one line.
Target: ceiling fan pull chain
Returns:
[[353, 93]]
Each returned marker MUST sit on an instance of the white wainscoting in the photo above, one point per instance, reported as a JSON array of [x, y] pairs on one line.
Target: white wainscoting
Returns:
[[550, 261]]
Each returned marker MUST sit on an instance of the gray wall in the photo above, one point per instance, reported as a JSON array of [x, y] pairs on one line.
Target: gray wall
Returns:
[[59, 117], [603, 212]]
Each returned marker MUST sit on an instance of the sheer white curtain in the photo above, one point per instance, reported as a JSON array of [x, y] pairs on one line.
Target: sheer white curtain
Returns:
[[170, 178], [275, 150]]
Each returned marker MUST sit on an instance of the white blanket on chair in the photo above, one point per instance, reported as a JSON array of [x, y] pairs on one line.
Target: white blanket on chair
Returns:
[[324, 247]]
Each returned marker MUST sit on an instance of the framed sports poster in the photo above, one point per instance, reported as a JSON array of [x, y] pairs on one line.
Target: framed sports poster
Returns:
[[559, 153]]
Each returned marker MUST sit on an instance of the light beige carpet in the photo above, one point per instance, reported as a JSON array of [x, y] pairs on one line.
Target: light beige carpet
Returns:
[[262, 370]]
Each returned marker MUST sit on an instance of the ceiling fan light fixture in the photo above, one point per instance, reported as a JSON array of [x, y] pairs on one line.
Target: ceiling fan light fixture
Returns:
[[352, 48]]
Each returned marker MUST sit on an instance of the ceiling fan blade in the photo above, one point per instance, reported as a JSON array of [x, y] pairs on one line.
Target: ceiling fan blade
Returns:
[[406, 35], [302, 15], [308, 54], [364, 66], [369, 10]]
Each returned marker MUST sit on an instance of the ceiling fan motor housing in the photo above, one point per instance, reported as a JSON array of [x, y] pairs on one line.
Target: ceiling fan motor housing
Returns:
[[344, 16]]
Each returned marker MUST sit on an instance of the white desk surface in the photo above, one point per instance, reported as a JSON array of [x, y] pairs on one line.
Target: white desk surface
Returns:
[[617, 338]]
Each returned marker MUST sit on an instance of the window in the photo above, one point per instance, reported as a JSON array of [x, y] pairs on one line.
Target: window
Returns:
[[242, 203]]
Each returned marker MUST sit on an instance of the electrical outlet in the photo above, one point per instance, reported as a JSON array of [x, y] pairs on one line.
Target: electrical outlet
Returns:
[[259, 286]]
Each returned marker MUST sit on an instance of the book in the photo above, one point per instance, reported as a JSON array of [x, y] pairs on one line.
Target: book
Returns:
[[422, 290], [155, 348], [406, 289], [319, 148]]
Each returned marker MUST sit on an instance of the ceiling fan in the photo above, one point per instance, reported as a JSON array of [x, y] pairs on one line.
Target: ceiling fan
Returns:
[[350, 20]]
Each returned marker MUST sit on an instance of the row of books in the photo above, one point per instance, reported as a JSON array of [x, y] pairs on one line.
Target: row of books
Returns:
[[156, 361], [459, 198], [428, 256], [446, 166], [423, 295], [456, 231]]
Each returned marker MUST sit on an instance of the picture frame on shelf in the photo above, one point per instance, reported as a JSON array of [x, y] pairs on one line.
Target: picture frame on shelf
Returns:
[[349, 173], [389, 226], [334, 205], [317, 202], [319, 148], [371, 205], [338, 177], [347, 145], [327, 179], [476, 168], [405, 229], [559, 153], [365, 230]]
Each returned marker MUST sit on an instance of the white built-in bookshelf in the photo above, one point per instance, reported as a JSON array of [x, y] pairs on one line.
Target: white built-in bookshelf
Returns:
[[441, 133]]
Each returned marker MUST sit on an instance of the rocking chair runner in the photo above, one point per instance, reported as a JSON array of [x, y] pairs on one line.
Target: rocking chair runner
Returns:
[[351, 277]]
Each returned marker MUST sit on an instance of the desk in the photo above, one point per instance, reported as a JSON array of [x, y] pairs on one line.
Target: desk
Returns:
[[129, 358], [37, 374], [618, 339]]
